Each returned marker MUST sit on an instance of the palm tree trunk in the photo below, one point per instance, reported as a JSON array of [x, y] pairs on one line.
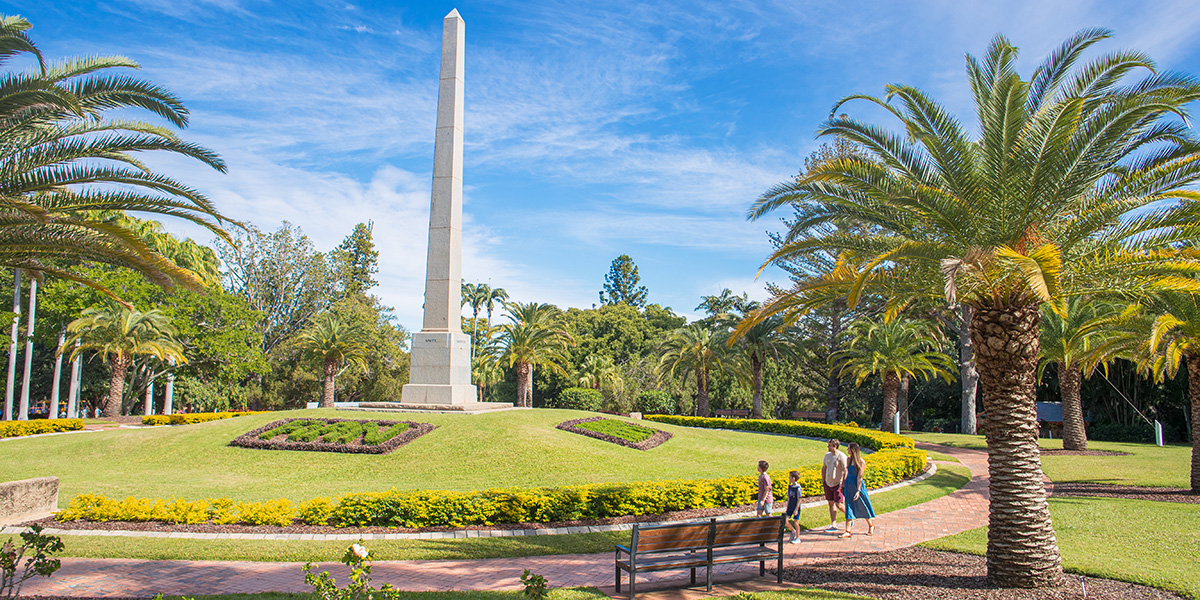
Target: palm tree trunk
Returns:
[[1193, 367], [330, 375], [116, 387], [10, 387], [25, 376], [1070, 380], [524, 382], [1022, 550], [756, 367], [967, 373], [54, 395], [702, 393], [902, 401], [529, 386], [891, 387]]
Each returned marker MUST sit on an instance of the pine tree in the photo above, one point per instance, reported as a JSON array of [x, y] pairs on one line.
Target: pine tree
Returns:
[[621, 284], [355, 261]]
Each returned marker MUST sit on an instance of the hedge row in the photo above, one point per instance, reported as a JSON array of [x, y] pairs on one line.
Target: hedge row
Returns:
[[190, 418], [867, 438], [488, 507], [20, 428]]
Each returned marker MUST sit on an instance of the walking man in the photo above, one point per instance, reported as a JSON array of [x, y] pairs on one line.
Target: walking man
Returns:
[[833, 473]]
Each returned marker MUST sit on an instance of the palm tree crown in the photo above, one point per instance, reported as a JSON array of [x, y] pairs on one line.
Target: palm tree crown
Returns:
[[696, 349], [534, 336], [338, 344]]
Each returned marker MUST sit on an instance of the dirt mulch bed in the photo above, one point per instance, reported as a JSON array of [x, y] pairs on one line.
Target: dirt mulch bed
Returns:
[[1051, 452], [1105, 490], [250, 439], [922, 574], [659, 438]]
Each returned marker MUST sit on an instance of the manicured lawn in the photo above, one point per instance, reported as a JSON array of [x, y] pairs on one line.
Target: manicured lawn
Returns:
[[1146, 465], [619, 429], [1151, 543], [505, 449], [947, 479]]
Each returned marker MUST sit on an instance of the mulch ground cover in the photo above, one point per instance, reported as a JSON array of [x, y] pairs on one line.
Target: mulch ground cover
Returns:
[[922, 574], [659, 438], [1105, 490]]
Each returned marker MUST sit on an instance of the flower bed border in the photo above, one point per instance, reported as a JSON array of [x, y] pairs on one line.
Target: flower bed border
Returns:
[[659, 438], [250, 439]]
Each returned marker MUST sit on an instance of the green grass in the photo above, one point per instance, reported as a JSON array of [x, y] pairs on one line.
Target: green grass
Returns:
[[935, 455], [503, 449], [1151, 543], [619, 429], [553, 594], [946, 480], [1146, 465]]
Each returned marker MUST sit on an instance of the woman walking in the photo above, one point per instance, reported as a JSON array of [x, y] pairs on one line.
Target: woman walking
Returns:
[[858, 502]]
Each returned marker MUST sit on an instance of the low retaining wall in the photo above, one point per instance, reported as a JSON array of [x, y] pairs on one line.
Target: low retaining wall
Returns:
[[28, 499]]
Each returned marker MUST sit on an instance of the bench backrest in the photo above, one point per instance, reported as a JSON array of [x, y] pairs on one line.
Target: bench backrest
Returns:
[[763, 530], [670, 538], [808, 415], [732, 412]]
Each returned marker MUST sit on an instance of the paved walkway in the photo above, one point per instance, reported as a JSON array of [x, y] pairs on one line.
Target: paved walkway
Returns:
[[960, 511]]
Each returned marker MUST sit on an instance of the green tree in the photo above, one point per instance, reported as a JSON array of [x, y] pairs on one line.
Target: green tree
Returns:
[[695, 349], [475, 296], [118, 334], [724, 303], [495, 297], [355, 261], [621, 284], [1069, 341], [70, 153], [892, 349], [598, 370], [1040, 202], [534, 336], [764, 340], [338, 344]]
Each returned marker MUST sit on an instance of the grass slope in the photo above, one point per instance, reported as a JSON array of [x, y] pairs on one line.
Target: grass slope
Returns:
[[1151, 543], [504, 449], [946, 480], [1146, 465]]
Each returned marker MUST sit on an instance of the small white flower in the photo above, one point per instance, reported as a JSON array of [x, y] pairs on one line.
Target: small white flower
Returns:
[[359, 550]]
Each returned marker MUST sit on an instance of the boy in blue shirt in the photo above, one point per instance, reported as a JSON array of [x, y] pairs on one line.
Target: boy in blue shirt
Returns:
[[791, 517]]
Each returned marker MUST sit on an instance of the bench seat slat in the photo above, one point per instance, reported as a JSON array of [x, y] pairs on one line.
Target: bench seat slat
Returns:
[[658, 563], [743, 555]]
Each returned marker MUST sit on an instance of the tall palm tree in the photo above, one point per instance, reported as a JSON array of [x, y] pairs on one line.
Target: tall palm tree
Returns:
[[118, 334], [339, 344], [764, 339], [892, 349], [69, 151], [1070, 341], [472, 296], [694, 349], [535, 335], [597, 370], [1040, 202], [495, 297]]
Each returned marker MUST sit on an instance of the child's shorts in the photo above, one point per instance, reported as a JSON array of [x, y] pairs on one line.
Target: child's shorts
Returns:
[[766, 506]]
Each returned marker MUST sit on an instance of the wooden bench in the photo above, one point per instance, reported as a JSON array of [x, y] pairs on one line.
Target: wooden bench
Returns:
[[694, 545], [731, 413], [809, 415]]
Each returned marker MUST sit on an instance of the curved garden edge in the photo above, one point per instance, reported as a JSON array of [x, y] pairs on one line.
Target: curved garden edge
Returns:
[[659, 438]]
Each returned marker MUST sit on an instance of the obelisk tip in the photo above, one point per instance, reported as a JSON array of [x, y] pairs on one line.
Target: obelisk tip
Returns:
[[454, 14]]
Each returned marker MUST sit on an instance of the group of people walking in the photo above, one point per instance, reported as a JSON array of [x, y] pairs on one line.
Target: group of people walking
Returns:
[[845, 490]]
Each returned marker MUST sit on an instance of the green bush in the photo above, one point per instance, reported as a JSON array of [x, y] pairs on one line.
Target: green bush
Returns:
[[578, 399], [378, 435], [868, 438], [656, 402], [39, 426], [191, 418]]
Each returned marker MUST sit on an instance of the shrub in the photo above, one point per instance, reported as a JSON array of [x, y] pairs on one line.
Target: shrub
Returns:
[[383, 433], [38, 426], [190, 418], [656, 402], [1139, 432], [869, 438], [316, 511], [272, 512], [578, 399]]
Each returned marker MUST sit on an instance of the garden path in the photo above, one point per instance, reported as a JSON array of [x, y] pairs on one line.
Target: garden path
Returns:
[[964, 509]]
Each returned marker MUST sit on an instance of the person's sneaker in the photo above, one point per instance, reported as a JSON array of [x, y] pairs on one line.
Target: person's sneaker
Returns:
[[832, 527], [795, 540]]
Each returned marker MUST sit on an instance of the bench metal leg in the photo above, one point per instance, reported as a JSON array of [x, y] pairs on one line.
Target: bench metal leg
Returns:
[[708, 576], [693, 575], [762, 568], [632, 583], [779, 570], [618, 586]]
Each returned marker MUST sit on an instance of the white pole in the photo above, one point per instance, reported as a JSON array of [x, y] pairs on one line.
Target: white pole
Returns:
[[24, 416], [73, 391], [169, 400], [896, 422], [149, 404], [62, 339], [1158, 433], [10, 386]]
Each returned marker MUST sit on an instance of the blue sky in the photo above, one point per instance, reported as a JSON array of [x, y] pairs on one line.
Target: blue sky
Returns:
[[592, 130]]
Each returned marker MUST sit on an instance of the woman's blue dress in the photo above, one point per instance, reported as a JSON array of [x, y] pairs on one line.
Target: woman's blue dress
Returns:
[[860, 508]]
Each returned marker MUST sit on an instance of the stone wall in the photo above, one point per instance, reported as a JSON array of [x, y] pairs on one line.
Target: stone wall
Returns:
[[28, 499]]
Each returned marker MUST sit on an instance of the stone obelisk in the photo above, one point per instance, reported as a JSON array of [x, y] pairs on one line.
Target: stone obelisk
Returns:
[[441, 352]]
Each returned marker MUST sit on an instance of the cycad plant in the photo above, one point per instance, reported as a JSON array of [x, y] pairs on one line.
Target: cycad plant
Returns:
[[893, 349], [69, 152], [119, 334], [338, 344], [1078, 181], [697, 349], [534, 336]]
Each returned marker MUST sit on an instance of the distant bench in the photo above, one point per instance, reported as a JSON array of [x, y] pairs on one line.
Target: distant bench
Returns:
[[732, 413], [809, 415], [695, 545]]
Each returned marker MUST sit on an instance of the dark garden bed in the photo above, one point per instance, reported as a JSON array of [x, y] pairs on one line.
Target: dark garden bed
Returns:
[[655, 439], [335, 435]]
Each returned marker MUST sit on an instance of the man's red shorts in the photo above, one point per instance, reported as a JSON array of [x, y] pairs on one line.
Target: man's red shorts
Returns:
[[833, 494]]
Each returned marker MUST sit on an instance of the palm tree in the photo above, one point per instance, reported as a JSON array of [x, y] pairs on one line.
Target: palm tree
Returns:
[[765, 338], [695, 349], [1069, 341], [486, 371], [339, 344], [534, 336], [118, 334], [473, 296], [64, 161], [1039, 203], [892, 349], [597, 370], [495, 296]]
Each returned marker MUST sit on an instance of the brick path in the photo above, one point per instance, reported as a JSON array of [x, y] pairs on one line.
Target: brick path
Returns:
[[960, 511]]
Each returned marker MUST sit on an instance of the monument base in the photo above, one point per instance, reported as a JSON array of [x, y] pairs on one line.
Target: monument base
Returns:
[[470, 408], [432, 393]]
